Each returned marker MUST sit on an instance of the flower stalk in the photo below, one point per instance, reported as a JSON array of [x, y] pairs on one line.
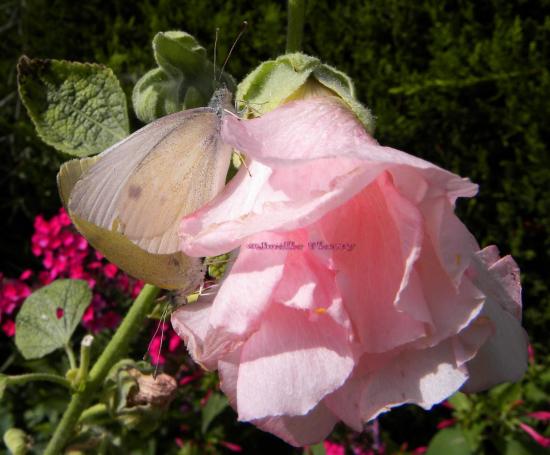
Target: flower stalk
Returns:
[[31, 377], [295, 27], [114, 351]]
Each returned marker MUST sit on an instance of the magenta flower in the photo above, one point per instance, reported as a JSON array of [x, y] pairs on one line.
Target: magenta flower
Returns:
[[535, 435], [355, 289]]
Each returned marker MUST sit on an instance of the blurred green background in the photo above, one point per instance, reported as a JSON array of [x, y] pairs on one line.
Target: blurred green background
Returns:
[[463, 84]]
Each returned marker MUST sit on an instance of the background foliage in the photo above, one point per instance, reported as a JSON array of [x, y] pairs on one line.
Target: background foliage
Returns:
[[463, 84]]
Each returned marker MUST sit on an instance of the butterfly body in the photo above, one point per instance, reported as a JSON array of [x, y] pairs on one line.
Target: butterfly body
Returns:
[[142, 186]]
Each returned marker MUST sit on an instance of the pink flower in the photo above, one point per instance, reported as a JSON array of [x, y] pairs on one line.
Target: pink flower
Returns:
[[8, 328], [537, 437], [332, 448], [445, 423], [543, 416], [355, 289]]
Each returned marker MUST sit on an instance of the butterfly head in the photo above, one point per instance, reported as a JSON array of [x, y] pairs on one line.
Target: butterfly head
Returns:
[[221, 100]]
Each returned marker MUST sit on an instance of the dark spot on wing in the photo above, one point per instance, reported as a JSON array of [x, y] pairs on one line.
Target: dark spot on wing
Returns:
[[174, 261], [134, 191]]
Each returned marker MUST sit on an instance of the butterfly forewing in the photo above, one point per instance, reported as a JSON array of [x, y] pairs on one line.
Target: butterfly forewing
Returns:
[[184, 171], [144, 184]]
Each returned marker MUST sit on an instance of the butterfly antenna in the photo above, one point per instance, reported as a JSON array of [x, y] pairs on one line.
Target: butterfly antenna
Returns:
[[216, 52], [151, 341], [243, 29], [161, 322], [241, 158]]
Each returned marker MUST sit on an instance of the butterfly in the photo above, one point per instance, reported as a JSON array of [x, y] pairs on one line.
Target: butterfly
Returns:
[[129, 200]]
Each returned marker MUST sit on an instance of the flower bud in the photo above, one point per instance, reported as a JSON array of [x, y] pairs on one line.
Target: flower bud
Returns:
[[295, 76], [184, 78]]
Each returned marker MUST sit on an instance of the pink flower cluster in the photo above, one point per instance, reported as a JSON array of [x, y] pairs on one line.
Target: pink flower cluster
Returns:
[[64, 253], [12, 294], [167, 336]]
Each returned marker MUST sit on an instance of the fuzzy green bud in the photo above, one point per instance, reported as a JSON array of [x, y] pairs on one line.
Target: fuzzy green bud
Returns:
[[184, 78], [294, 76]]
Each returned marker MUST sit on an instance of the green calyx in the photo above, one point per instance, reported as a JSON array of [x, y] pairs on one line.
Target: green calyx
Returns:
[[184, 78], [294, 76]]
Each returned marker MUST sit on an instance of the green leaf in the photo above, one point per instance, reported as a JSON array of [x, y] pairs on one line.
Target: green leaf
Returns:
[[460, 402], [40, 328], [3, 384], [450, 441], [214, 406], [183, 80], [516, 447], [78, 108]]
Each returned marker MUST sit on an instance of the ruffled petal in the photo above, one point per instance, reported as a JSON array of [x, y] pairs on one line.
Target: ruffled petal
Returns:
[[504, 357], [300, 431], [295, 360], [387, 233]]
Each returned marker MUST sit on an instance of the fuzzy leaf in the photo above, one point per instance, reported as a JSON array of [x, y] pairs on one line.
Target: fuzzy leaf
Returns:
[[78, 108], [49, 317]]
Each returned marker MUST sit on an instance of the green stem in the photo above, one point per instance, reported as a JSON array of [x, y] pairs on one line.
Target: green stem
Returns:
[[70, 355], [295, 26], [97, 410], [114, 351], [85, 348], [30, 377]]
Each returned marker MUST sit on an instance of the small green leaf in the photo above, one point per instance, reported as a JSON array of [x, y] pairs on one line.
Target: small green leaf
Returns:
[[183, 80], [3, 384], [78, 108], [450, 441], [49, 317], [215, 405]]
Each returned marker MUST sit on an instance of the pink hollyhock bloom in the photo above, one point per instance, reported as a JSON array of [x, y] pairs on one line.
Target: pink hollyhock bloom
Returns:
[[355, 288]]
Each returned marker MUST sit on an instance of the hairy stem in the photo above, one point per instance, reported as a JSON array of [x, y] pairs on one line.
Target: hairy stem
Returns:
[[70, 355], [295, 26], [114, 351], [30, 377]]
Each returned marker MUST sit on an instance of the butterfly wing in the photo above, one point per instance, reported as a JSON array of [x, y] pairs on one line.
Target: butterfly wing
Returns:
[[144, 184], [168, 271]]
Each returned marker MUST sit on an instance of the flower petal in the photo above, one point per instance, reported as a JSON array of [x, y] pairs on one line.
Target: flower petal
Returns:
[[296, 360], [504, 357], [386, 231], [300, 430]]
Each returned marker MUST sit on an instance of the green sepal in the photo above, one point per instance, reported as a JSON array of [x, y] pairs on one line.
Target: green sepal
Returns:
[[290, 76], [78, 108], [39, 326], [184, 79]]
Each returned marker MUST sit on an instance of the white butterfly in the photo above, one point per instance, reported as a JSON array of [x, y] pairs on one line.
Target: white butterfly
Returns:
[[141, 187]]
